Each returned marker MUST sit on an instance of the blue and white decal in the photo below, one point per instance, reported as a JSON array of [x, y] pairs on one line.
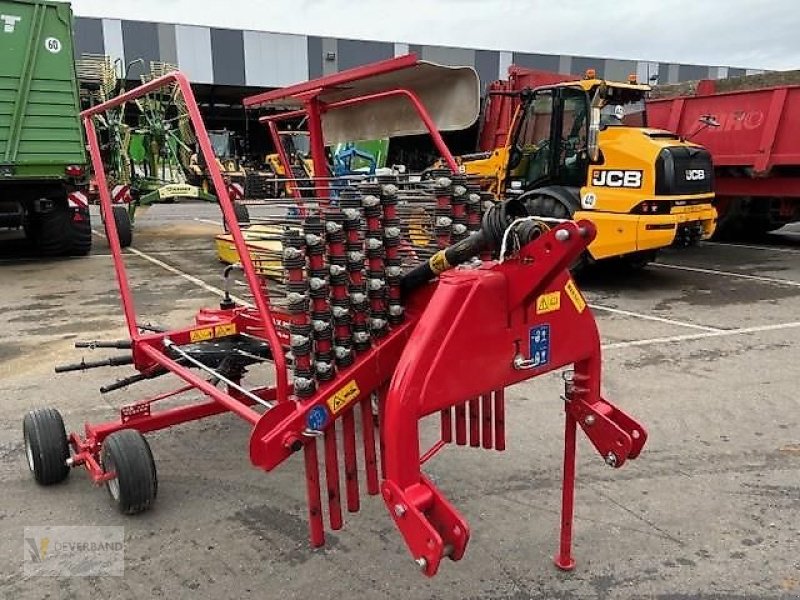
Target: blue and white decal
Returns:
[[317, 418], [540, 345]]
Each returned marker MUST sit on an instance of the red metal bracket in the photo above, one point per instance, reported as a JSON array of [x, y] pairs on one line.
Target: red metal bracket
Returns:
[[533, 320]]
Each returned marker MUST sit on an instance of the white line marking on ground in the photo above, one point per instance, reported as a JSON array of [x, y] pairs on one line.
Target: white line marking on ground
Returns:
[[754, 247], [49, 260], [191, 278], [176, 271], [627, 313], [701, 336], [218, 223], [774, 280]]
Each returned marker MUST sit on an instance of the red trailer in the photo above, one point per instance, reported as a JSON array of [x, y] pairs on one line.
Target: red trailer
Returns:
[[502, 100], [754, 142]]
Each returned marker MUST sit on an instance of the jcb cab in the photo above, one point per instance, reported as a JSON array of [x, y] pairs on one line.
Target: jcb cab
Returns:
[[582, 150]]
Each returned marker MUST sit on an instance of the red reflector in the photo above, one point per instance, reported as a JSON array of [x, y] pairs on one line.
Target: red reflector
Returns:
[[74, 170], [77, 217]]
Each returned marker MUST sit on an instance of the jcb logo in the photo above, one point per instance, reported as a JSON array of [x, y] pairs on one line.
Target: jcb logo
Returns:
[[608, 178], [695, 174]]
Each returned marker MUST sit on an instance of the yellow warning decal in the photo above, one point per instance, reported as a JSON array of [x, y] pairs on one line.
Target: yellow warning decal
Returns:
[[574, 295], [548, 303], [343, 397], [201, 335], [223, 330], [209, 333], [438, 263]]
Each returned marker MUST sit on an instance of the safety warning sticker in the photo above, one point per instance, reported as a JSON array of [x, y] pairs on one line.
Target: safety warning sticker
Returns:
[[209, 333], [343, 397], [548, 303], [540, 345], [574, 295], [201, 335]]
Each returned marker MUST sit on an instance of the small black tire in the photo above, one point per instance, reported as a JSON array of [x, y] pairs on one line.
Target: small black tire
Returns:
[[242, 215], [46, 445], [127, 453], [122, 219]]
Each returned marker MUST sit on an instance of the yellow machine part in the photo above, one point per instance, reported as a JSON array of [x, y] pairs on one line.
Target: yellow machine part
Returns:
[[265, 249]]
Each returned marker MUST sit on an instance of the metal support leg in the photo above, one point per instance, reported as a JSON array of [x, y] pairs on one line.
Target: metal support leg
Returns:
[[563, 559]]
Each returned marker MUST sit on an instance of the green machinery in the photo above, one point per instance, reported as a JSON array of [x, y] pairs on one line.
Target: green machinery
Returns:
[[148, 143], [42, 158]]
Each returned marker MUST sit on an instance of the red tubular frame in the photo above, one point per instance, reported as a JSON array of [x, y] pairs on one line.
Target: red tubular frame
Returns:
[[230, 217], [315, 108]]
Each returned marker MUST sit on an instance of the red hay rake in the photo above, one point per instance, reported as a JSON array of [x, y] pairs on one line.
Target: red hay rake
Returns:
[[355, 331]]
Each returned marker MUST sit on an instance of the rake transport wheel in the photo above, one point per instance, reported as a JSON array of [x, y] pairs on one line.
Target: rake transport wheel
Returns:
[[46, 446], [135, 486], [242, 215]]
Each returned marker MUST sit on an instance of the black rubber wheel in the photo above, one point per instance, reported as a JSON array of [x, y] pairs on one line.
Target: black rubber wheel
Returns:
[[242, 215], [128, 454], [547, 206], [637, 261], [540, 205], [122, 220], [46, 445], [63, 231]]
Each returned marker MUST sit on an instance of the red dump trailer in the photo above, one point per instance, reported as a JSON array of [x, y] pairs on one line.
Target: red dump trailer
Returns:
[[501, 102], [755, 148], [755, 144]]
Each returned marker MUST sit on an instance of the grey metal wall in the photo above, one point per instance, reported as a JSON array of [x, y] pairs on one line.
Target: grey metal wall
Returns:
[[227, 56], [264, 60], [354, 53], [140, 41]]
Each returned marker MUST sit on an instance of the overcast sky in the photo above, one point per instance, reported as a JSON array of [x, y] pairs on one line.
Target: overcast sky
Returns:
[[760, 34]]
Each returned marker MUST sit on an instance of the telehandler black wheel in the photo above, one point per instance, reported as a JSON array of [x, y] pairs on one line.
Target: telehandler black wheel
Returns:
[[546, 206], [636, 261], [46, 445], [127, 454], [549, 206]]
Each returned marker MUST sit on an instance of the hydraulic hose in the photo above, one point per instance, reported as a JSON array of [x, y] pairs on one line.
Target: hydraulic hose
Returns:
[[490, 236]]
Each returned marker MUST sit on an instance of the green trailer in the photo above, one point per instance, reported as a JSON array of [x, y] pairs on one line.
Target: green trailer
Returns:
[[43, 165]]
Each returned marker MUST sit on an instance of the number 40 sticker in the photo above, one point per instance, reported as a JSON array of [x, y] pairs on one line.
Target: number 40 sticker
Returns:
[[52, 45]]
